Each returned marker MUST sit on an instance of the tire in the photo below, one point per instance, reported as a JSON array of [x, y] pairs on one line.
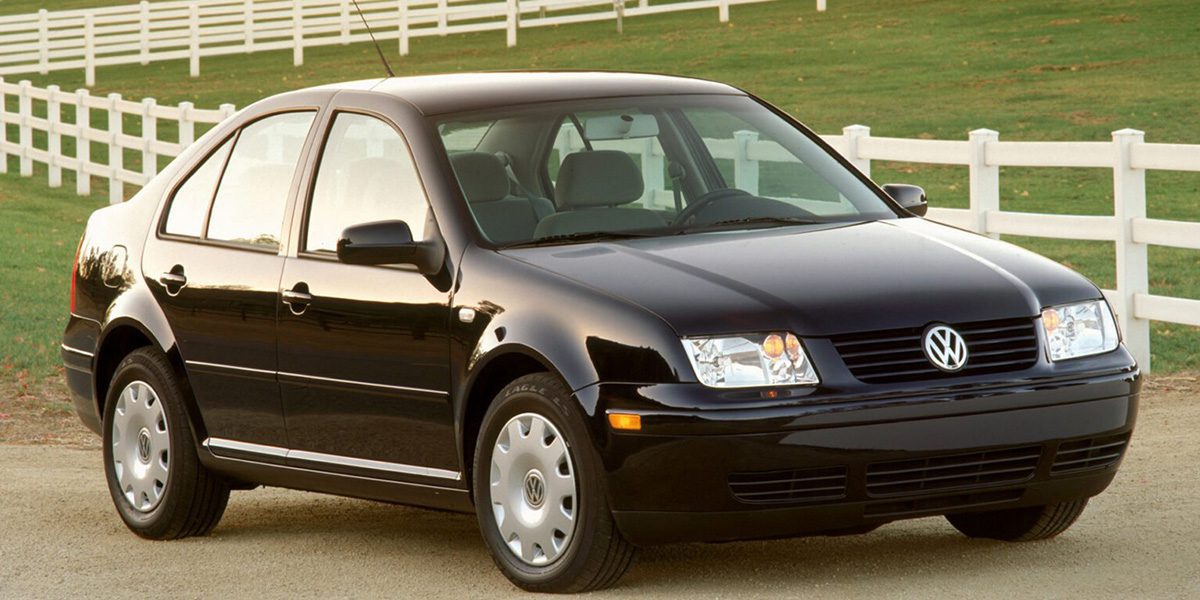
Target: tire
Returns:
[[593, 554], [1020, 524], [148, 438]]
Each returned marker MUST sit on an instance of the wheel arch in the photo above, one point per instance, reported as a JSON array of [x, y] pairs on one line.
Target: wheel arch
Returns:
[[120, 337], [490, 374]]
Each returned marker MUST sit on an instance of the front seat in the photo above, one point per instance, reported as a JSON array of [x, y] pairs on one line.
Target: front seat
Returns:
[[503, 217], [591, 188]]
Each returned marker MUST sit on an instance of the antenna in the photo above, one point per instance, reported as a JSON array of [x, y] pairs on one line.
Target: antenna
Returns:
[[382, 58]]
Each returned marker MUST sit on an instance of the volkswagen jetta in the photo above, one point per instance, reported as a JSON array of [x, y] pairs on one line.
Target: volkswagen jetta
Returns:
[[596, 310]]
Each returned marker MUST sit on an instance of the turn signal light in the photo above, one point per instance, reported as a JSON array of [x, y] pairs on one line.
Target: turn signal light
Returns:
[[773, 346], [625, 422], [1050, 320]]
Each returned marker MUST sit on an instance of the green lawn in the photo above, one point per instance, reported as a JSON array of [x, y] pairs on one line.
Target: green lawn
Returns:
[[1031, 70]]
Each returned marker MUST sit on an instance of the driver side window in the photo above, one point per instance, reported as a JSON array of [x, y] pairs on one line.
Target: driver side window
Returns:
[[366, 174]]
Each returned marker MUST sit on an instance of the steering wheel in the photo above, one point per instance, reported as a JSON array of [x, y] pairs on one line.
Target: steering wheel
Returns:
[[688, 216], [747, 205]]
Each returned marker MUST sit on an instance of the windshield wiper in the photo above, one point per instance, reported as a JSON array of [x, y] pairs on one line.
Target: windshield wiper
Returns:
[[757, 221], [583, 236]]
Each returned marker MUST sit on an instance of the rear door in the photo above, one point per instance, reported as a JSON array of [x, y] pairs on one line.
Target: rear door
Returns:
[[363, 350], [214, 266]]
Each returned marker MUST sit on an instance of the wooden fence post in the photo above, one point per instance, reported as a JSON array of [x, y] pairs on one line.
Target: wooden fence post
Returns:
[[820, 5], [194, 40], [83, 145], [187, 125], [227, 110], [248, 25], [1129, 198], [3, 129], [43, 41], [344, 21], [984, 180], [53, 136], [24, 114], [653, 170], [854, 134], [149, 138], [443, 17], [723, 11], [745, 169], [619, 14], [116, 155], [297, 33], [511, 24], [403, 8], [144, 38], [89, 49]]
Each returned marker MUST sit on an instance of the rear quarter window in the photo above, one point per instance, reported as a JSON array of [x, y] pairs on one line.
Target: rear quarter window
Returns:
[[189, 205]]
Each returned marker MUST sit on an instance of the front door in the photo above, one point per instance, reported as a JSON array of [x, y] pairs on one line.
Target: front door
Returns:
[[214, 268], [363, 350]]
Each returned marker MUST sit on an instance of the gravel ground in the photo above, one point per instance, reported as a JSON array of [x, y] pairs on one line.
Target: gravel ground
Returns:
[[60, 537]]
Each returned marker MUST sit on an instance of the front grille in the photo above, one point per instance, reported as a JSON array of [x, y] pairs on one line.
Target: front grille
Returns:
[[1095, 453], [827, 483], [992, 467], [896, 355]]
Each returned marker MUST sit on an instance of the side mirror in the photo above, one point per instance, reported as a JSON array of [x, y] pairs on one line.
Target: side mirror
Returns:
[[383, 243], [910, 197]]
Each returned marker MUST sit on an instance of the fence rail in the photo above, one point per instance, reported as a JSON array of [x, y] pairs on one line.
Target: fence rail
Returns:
[[57, 117], [194, 29]]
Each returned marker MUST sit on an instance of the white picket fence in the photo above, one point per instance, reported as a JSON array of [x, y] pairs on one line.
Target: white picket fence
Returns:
[[1128, 156], [43, 110], [193, 29]]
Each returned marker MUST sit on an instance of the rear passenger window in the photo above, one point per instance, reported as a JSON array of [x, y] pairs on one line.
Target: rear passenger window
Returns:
[[366, 174], [190, 204], [252, 194]]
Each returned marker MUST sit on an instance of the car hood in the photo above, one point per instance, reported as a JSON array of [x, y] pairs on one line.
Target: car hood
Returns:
[[819, 280]]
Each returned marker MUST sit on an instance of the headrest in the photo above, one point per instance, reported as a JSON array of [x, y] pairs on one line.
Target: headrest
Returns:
[[598, 178], [481, 175]]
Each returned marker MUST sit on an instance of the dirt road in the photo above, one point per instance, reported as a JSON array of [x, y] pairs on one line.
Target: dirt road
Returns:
[[60, 537]]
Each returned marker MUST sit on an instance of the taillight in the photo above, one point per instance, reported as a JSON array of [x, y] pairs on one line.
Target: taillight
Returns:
[[75, 272]]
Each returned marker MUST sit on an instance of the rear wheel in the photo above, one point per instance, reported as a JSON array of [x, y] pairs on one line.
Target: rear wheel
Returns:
[[1020, 524], [540, 492], [157, 483]]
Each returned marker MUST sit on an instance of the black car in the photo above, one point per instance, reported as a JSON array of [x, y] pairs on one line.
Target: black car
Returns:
[[598, 310]]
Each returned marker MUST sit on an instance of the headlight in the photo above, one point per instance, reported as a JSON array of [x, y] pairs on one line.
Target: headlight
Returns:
[[750, 360], [1083, 329]]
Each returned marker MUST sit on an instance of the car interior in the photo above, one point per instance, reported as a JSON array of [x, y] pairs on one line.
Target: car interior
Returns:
[[625, 169]]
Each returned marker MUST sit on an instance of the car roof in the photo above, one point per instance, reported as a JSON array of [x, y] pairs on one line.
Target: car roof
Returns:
[[464, 92]]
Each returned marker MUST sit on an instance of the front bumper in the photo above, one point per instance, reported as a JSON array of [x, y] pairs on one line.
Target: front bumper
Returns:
[[832, 466]]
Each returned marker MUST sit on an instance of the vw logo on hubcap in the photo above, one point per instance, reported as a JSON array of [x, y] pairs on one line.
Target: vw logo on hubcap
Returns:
[[945, 348], [535, 489], [143, 445]]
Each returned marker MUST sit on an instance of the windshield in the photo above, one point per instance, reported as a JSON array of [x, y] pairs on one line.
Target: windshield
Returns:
[[646, 166]]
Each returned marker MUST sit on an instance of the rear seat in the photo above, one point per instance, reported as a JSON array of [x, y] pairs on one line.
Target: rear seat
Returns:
[[502, 216]]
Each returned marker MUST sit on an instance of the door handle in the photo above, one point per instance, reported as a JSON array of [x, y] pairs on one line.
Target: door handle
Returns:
[[294, 297], [173, 280], [297, 299]]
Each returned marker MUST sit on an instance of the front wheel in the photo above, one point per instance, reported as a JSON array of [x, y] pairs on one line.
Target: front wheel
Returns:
[[540, 492], [157, 483], [1020, 524]]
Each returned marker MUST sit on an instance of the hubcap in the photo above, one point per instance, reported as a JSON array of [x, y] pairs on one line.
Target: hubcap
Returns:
[[533, 489], [140, 446]]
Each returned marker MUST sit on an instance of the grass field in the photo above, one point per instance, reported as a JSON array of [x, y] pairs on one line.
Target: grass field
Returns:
[[1029, 69]]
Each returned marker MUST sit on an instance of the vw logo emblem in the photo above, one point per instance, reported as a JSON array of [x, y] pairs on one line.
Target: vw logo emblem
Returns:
[[945, 348], [143, 445], [535, 489]]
